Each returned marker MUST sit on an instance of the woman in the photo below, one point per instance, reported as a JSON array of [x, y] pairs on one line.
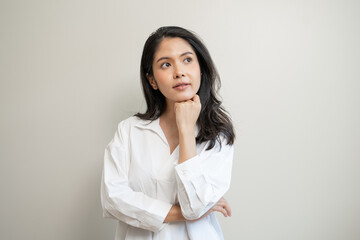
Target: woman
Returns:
[[166, 170]]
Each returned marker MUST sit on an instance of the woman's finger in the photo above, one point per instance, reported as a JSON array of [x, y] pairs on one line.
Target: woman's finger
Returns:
[[196, 98], [223, 203], [220, 208], [227, 206]]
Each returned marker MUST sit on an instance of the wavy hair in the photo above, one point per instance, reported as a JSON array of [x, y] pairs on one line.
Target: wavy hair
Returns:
[[213, 120]]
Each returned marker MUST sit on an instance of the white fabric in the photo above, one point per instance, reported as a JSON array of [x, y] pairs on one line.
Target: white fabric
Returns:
[[142, 180]]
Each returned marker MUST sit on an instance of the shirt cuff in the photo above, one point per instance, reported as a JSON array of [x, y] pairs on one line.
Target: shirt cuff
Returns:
[[190, 168], [162, 208]]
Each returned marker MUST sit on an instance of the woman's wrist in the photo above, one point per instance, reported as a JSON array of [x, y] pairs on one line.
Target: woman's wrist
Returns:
[[174, 215], [187, 145], [186, 132]]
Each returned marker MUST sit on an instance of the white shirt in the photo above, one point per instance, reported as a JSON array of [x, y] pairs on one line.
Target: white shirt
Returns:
[[142, 180]]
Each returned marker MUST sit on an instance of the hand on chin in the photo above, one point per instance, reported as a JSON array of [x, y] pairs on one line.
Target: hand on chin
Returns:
[[187, 113]]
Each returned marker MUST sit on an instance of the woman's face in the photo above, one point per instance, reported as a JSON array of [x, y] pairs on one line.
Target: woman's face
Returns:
[[176, 70]]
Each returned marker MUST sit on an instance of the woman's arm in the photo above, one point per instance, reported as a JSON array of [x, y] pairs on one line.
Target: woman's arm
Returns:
[[204, 177], [221, 206], [174, 215], [118, 199], [187, 114]]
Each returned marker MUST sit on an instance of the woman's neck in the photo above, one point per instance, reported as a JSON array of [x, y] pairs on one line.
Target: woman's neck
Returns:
[[169, 127], [168, 115]]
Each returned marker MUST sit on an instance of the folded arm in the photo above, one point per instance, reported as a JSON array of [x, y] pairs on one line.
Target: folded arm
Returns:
[[204, 179], [121, 202]]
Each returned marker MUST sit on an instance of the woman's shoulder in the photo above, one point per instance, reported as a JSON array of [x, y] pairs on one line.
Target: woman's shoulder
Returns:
[[132, 121]]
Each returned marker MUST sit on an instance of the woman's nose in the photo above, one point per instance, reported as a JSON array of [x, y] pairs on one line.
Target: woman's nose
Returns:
[[178, 72]]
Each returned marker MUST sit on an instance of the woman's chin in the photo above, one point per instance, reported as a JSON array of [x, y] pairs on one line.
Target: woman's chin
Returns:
[[182, 98], [186, 97]]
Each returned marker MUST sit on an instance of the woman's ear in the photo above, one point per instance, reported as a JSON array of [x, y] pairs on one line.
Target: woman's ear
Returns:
[[152, 81]]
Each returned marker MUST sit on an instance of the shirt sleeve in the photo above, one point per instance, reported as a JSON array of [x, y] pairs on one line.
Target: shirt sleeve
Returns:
[[118, 200], [204, 179]]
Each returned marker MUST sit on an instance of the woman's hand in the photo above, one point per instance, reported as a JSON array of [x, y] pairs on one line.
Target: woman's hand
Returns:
[[187, 113], [221, 206]]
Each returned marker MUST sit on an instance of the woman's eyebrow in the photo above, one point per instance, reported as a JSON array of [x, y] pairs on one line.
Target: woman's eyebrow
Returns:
[[162, 58]]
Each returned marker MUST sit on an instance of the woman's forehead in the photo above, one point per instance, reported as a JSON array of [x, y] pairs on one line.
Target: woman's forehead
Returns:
[[172, 47]]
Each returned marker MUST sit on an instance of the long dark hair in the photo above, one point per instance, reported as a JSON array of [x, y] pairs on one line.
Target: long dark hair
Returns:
[[213, 120]]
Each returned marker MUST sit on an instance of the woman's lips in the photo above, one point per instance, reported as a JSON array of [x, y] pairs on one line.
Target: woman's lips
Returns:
[[182, 86]]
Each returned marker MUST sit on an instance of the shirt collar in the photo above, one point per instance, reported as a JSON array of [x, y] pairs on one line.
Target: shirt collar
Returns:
[[154, 125]]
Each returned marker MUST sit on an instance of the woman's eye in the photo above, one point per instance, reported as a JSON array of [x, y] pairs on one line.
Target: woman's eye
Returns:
[[187, 60], [165, 65]]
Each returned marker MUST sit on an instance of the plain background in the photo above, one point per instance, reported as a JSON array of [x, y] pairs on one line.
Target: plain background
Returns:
[[290, 74]]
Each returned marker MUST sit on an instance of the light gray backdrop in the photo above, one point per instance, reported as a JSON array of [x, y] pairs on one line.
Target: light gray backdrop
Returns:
[[291, 81]]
